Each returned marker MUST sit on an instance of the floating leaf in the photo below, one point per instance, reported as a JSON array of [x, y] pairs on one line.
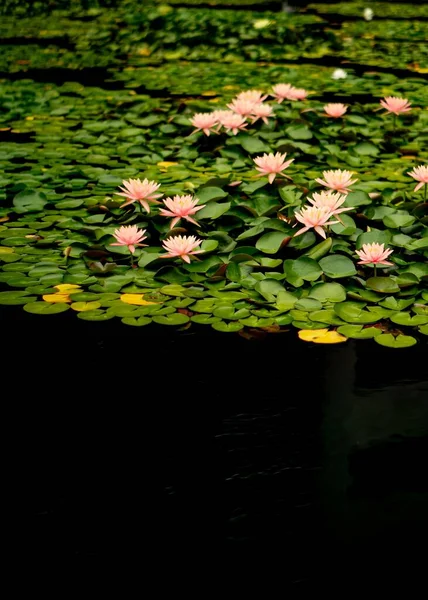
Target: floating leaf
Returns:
[[336, 266], [137, 299], [321, 336], [400, 341]]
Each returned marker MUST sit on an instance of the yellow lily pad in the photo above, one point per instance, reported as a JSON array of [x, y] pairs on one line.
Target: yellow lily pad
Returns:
[[67, 287], [321, 336], [137, 299], [165, 164], [5, 250], [84, 306], [56, 297], [3, 219]]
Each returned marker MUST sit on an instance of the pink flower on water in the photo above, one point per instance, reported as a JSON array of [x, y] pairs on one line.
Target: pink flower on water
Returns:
[[182, 246], [396, 105], [329, 200], [241, 106], [140, 191], [272, 164], [281, 91], [374, 254], [204, 122], [255, 96], [420, 174], [129, 236], [335, 109], [311, 216], [181, 207], [297, 94], [261, 111], [232, 121], [220, 114], [337, 180]]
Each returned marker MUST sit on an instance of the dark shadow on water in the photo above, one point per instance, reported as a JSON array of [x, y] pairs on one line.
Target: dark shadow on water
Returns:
[[126, 438]]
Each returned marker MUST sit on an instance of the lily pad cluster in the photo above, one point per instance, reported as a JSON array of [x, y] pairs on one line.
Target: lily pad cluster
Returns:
[[66, 148]]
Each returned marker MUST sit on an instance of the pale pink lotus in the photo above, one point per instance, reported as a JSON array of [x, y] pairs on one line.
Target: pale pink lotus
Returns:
[[181, 207], [281, 91], [261, 111], [220, 114], [233, 122], [255, 96], [374, 254], [272, 165], [204, 122], [241, 106], [181, 246], [337, 180], [297, 94], [335, 109], [330, 200], [420, 174], [313, 217], [396, 105], [129, 236], [143, 192]]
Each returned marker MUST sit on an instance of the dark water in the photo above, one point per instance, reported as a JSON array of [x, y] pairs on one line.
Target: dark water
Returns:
[[124, 439]]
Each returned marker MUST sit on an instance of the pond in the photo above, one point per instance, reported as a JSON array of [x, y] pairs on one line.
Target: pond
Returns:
[[213, 271]]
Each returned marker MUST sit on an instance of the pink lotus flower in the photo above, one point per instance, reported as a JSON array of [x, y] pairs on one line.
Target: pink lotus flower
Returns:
[[182, 246], [232, 121], [220, 114], [396, 105], [420, 174], [329, 200], [181, 207], [129, 236], [281, 91], [311, 216], [272, 164], [374, 254], [297, 94], [255, 96], [261, 111], [241, 107], [337, 180], [335, 109], [140, 191], [204, 122]]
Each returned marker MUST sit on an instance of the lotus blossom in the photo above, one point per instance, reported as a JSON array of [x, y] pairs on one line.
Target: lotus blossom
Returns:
[[129, 236], [335, 109], [220, 114], [181, 207], [374, 254], [281, 91], [182, 246], [330, 200], [420, 174], [255, 96], [140, 191], [272, 164], [261, 111], [339, 74], [396, 105], [368, 14], [297, 94], [232, 121], [311, 216], [204, 122], [337, 180], [241, 106]]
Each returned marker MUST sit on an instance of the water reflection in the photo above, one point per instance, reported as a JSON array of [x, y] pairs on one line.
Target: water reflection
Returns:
[[214, 438]]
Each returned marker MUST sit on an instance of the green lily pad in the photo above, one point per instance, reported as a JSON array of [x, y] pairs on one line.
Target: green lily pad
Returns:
[[359, 332], [400, 341], [336, 266], [45, 308], [328, 292]]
